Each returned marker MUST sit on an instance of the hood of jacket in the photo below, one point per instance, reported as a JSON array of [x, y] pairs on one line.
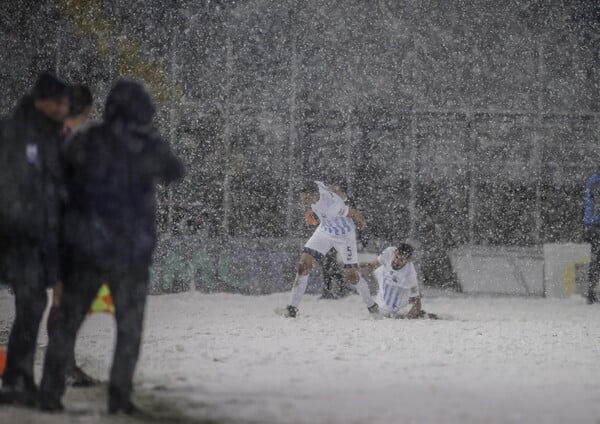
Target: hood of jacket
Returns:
[[128, 101]]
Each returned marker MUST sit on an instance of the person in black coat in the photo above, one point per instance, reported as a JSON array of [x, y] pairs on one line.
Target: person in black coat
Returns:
[[111, 171], [31, 186]]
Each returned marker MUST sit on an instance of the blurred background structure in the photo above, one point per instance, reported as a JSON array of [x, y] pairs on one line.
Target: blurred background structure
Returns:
[[453, 122]]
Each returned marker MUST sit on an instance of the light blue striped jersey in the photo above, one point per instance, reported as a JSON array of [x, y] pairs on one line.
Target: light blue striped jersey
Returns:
[[331, 211], [396, 286]]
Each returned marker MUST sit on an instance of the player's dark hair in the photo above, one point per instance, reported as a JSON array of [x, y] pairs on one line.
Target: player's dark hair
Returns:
[[48, 85], [337, 179], [80, 98], [308, 187], [405, 249], [342, 184]]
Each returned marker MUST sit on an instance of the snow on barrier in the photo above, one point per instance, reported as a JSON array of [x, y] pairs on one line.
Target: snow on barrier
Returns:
[[238, 265], [499, 270], [260, 266], [555, 270], [565, 268], [248, 266]]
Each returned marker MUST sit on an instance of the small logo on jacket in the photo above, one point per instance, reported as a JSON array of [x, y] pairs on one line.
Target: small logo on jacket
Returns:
[[31, 152]]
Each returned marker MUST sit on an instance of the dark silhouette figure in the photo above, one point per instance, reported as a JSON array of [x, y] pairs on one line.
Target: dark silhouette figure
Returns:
[[111, 170], [591, 221], [31, 186]]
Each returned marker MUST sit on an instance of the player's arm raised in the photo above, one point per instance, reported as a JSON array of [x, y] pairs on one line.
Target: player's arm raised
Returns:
[[358, 217]]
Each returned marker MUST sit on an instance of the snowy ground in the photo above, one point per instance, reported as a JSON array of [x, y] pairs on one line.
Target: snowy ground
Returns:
[[230, 358]]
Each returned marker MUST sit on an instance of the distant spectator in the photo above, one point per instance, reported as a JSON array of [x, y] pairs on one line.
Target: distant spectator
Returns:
[[591, 223]]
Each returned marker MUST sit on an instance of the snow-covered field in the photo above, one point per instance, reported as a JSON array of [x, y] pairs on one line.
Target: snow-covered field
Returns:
[[230, 358]]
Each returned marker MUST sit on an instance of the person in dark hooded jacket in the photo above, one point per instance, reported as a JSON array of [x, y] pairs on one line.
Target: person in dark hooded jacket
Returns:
[[111, 171], [31, 186]]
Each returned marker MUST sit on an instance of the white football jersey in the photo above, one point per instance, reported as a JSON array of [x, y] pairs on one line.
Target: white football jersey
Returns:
[[396, 286], [331, 210]]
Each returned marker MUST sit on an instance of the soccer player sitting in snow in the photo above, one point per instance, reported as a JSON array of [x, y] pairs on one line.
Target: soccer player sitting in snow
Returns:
[[337, 228], [398, 295]]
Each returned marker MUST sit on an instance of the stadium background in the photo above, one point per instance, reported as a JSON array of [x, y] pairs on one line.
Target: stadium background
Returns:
[[454, 122]]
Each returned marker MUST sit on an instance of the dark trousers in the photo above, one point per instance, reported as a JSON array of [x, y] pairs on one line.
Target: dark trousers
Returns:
[[31, 298], [52, 314], [592, 235], [128, 285], [331, 270], [333, 276]]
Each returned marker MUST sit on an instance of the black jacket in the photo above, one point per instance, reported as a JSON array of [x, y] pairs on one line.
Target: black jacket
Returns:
[[112, 170], [31, 187]]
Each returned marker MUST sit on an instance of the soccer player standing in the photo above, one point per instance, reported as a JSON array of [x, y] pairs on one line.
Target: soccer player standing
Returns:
[[337, 228]]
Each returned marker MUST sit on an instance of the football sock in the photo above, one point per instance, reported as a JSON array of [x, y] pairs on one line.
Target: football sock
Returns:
[[298, 289], [363, 289]]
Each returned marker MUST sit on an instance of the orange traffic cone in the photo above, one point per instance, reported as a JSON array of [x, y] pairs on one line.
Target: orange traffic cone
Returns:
[[2, 359]]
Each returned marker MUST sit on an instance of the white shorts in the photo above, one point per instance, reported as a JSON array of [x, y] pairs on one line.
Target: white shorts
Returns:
[[321, 242]]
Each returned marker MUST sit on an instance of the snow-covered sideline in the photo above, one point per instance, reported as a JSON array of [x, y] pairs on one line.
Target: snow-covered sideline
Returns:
[[231, 358]]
